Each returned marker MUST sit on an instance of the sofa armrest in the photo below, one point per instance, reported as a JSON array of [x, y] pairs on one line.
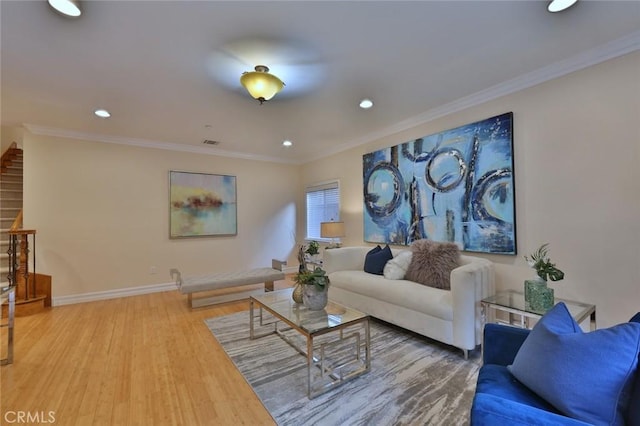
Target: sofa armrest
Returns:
[[501, 343], [344, 259], [470, 283]]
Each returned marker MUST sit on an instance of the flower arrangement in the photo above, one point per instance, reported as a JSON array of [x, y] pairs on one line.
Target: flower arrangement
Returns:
[[318, 278], [539, 260]]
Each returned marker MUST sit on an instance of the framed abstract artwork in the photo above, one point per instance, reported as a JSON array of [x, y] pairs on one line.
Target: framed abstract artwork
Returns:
[[455, 186], [202, 205]]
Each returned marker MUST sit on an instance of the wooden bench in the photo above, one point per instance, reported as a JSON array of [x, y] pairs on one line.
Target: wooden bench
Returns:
[[222, 280]]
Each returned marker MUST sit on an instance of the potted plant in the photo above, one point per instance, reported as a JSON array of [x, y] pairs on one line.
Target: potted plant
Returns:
[[313, 248], [540, 261], [537, 295], [314, 287]]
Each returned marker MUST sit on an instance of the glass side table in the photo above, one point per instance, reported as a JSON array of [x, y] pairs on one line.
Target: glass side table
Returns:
[[512, 302]]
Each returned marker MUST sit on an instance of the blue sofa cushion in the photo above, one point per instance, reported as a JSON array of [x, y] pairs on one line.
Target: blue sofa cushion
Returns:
[[497, 380], [376, 258], [492, 410], [560, 363]]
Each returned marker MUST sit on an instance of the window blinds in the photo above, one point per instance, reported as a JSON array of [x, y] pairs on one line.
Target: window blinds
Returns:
[[323, 205]]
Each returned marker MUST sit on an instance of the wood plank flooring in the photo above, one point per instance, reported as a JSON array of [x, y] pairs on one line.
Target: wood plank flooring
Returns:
[[141, 360]]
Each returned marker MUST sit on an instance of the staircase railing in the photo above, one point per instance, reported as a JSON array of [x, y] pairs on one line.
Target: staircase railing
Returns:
[[21, 243]]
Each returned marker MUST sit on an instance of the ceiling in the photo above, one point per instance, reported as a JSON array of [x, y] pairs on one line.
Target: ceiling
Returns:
[[168, 71]]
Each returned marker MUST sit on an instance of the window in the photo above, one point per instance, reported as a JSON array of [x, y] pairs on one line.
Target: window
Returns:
[[323, 205]]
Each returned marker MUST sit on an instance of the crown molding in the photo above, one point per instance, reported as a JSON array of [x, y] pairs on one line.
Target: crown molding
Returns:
[[614, 49], [144, 143]]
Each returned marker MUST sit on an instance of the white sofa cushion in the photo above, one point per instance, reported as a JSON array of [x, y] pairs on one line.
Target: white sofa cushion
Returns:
[[396, 268], [420, 298]]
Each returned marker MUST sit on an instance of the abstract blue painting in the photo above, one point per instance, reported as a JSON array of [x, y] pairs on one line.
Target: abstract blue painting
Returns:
[[455, 186]]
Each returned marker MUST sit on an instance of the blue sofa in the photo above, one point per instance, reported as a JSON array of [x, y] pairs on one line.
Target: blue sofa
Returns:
[[500, 399]]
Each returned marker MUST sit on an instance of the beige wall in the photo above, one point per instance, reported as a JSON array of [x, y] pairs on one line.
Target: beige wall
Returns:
[[577, 151], [102, 216], [8, 135], [101, 213]]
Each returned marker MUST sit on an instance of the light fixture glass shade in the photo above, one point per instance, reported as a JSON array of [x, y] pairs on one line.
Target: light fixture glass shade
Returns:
[[332, 229], [260, 84], [102, 113], [66, 7], [366, 103], [560, 5]]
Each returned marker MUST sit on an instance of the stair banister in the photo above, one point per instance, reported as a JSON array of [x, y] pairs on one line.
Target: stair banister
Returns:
[[19, 257]]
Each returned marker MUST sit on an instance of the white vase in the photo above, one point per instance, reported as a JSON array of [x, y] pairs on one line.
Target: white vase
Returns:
[[313, 298]]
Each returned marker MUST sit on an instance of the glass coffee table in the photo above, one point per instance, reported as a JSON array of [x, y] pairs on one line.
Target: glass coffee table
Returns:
[[8, 295], [336, 340], [512, 302]]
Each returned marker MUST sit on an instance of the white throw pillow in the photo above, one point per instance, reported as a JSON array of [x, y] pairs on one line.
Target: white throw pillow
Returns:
[[396, 268]]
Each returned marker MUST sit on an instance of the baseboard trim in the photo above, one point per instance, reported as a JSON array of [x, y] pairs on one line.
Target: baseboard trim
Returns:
[[125, 292], [112, 294]]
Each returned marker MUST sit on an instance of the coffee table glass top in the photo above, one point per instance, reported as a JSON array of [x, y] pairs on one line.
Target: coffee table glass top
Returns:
[[333, 315], [515, 300]]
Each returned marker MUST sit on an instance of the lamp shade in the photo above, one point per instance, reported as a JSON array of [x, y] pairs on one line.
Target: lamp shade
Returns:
[[260, 84], [332, 229]]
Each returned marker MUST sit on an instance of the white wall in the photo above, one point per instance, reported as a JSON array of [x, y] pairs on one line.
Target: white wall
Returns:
[[101, 213], [577, 157]]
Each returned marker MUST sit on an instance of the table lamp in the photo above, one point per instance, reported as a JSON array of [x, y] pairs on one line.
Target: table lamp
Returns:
[[332, 230]]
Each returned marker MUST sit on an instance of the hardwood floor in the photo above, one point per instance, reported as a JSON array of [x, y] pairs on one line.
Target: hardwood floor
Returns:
[[141, 360]]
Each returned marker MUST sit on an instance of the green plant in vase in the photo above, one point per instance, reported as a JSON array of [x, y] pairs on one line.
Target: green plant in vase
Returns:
[[313, 248], [537, 296], [314, 285], [317, 278], [540, 261]]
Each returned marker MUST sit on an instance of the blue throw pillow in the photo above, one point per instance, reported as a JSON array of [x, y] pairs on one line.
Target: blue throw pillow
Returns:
[[376, 259], [586, 376]]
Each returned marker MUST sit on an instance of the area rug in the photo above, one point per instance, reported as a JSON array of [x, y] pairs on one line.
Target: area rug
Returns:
[[413, 380]]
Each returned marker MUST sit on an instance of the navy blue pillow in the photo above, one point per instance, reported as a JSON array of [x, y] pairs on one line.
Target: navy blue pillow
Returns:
[[586, 376], [376, 259]]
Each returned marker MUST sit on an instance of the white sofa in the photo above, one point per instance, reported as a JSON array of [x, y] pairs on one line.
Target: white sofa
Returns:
[[449, 316]]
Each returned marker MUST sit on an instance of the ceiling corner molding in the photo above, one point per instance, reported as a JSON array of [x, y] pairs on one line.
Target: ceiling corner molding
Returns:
[[614, 49], [143, 143]]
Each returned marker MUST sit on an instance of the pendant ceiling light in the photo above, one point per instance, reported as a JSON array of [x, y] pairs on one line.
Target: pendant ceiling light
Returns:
[[560, 5], [69, 8], [260, 84]]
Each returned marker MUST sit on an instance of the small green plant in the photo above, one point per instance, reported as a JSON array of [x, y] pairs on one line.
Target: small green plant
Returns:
[[318, 278], [539, 260], [313, 248]]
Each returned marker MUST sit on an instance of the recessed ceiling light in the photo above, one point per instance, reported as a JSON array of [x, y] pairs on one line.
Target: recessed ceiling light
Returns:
[[66, 7], [366, 103], [287, 143], [102, 113], [560, 5]]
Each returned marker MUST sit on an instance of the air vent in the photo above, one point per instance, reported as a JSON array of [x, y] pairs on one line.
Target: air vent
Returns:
[[210, 142]]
